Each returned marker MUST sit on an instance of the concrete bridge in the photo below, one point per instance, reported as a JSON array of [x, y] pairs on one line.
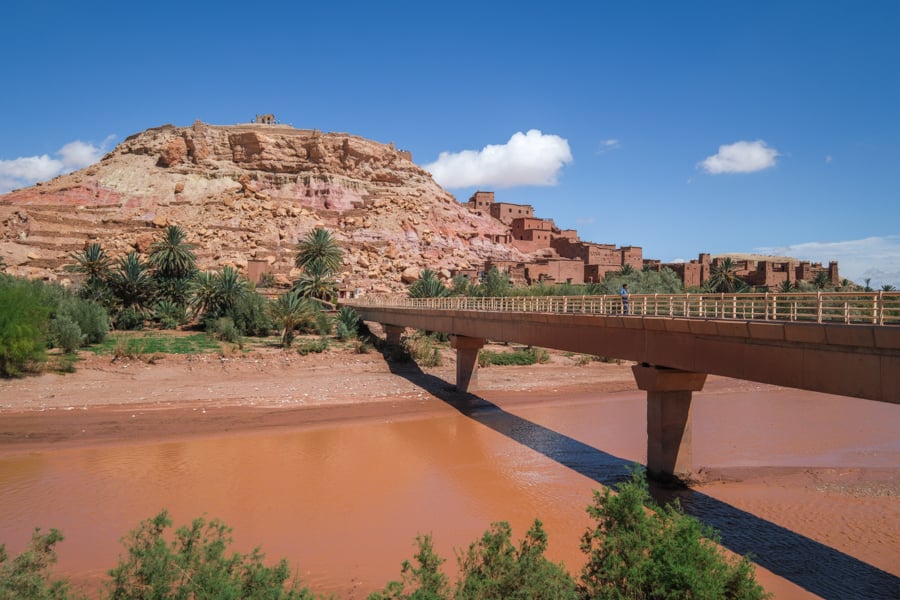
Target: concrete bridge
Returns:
[[838, 343]]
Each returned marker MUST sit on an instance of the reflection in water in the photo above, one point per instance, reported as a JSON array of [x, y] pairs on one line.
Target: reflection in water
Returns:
[[344, 502]]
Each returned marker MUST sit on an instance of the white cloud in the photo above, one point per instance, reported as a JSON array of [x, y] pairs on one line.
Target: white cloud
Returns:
[[531, 158], [740, 157], [875, 258], [607, 145], [25, 171]]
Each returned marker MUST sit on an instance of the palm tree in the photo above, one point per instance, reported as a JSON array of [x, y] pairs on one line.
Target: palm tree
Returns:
[[887, 287], [132, 285], [428, 286], [202, 292], [786, 287], [230, 288], [821, 280], [320, 251], [316, 282], [171, 256], [288, 311], [93, 262], [626, 270], [724, 278]]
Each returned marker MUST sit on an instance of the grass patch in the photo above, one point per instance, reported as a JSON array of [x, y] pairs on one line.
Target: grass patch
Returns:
[[139, 344]]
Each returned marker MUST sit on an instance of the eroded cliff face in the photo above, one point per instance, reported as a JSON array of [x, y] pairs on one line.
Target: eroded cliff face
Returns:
[[251, 192]]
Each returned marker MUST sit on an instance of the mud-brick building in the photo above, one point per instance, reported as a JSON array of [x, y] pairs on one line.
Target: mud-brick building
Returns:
[[505, 212], [530, 234]]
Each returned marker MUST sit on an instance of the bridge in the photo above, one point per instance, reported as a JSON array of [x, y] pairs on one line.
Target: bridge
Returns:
[[842, 343]]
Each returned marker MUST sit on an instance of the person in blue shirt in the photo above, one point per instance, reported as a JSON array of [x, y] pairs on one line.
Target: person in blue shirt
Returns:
[[624, 293]]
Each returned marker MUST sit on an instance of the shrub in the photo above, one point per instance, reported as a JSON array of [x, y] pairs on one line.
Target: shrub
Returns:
[[528, 356], [130, 319], [424, 349], [347, 323], [494, 569], [27, 576], [169, 314], [24, 320], [66, 334], [422, 581], [224, 329], [634, 553], [197, 564], [316, 346], [250, 316]]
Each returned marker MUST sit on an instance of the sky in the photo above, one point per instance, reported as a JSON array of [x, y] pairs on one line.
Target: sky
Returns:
[[682, 127]]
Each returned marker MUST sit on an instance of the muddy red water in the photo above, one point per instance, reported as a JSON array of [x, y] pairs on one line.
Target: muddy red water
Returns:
[[343, 497]]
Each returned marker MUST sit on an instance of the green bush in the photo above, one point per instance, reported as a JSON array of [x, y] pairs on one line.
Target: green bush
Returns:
[[347, 324], [24, 321], [169, 314], [316, 346], [224, 329], [92, 318], [421, 581], [424, 349], [197, 564], [27, 576], [494, 569], [129, 319], [633, 553], [250, 316], [528, 356], [66, 334]]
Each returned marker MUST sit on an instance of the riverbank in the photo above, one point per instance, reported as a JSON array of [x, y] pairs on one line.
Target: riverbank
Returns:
[[767, 451]]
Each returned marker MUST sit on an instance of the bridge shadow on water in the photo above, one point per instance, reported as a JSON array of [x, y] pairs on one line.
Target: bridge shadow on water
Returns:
[[807, 563]]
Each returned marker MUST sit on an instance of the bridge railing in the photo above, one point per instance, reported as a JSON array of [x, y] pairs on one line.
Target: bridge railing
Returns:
[[879, 308]]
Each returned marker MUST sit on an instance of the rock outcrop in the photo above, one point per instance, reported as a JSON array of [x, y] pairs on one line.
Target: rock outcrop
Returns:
[[250, 193]]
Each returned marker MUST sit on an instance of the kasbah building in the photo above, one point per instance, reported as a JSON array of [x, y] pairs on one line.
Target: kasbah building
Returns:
[[566, 259]]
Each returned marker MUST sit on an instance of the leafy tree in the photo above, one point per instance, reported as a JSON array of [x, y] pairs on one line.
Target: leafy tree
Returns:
[[494, 569], [495, 284], [24, 321], [319, 251], [460, 285], [634, 553], [197, 564], [27, 576], [288, 311], [428, 286], [723, 278]]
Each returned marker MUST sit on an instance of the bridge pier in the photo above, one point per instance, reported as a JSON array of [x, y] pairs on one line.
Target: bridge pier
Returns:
[[392, 334], [669, 393], [466, 361]]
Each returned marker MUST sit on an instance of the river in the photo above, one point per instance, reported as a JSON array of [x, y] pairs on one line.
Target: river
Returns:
[[810, 486]]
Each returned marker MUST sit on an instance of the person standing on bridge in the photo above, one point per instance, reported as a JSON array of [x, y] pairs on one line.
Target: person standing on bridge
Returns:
[[624, 293]]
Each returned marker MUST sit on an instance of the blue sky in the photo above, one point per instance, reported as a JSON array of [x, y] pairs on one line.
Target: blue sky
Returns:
[[681, 127]]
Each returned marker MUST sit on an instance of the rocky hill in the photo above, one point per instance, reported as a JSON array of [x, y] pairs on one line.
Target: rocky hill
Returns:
[[249, 193]]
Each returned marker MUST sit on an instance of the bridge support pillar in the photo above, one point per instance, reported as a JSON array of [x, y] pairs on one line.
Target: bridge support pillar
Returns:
[[392, 334], [669, 394], [466, 361]]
